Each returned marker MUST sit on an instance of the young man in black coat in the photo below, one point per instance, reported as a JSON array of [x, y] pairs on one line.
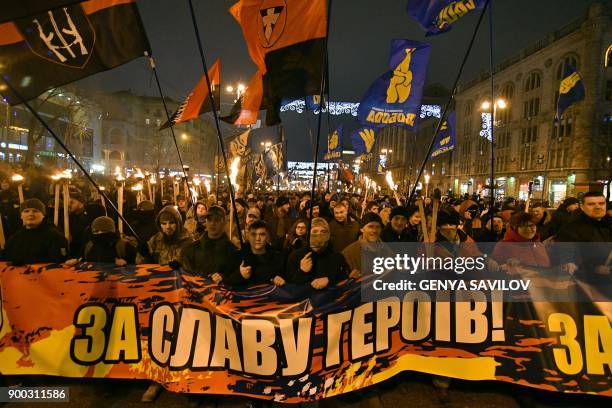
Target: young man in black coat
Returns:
[[37, 241], [260, 262]]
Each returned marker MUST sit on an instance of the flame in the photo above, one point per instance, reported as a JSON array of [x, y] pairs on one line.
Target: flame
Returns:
[[67, 174], [139, 174], [137, 187], [389, 178], [17, 178], [153, 180], [119, 176], [207, 185], [197, 181], [234, 172]]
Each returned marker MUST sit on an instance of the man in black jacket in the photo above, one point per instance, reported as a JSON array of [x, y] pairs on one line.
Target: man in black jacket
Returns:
[[260, 262], [213, 255], [318, 265], [591, 225], [37, 241], [397, 229]]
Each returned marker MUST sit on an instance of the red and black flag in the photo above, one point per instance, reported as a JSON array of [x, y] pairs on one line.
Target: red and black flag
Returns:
[[198, 100], [286, 40], [15, 10], [246, 109], [65, 44]]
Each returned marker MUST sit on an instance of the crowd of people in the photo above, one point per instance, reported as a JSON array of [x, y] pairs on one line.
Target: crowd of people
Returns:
[[269, 243]]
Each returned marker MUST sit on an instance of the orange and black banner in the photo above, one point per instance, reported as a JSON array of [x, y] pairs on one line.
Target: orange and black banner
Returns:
[[286, 40], [16, 9], [62, 45], [198, 100], [286, 344]]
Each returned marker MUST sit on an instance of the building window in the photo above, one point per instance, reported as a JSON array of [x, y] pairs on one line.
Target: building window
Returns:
[[529, 139], [147, 121], [534, 80], [608, 58], [504, 116]]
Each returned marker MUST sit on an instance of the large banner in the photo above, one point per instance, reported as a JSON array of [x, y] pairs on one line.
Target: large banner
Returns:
[[286, 344]]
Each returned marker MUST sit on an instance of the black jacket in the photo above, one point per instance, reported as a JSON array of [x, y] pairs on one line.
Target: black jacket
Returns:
[[208, 256], [264, 267], [43, 244], [407, 235], [325, 264]]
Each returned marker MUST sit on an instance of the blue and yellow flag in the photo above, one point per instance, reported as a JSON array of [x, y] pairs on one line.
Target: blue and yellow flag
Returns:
[[437, 16], [571, 89], [395, 97], [363, 140], [334, 146], [445, 139]]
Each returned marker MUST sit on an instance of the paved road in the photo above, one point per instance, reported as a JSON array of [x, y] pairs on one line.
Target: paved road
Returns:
[[409, 390]]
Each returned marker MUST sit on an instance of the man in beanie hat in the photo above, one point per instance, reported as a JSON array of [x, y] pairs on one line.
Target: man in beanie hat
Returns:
[[397, 229], [493, 230], [37, 241], [371, 228], [106, 245], [318, 265], [279, 222], [144, 220], [212, 255]]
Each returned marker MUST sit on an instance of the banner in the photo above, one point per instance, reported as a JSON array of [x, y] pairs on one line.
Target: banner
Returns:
[[63, 45], [395, 97], [437, 16], [571, 89], [290, 343], [445, 139], [363, 140], [334, 145]]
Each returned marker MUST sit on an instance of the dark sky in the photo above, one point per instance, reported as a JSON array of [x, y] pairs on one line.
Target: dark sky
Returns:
[[360, 36]]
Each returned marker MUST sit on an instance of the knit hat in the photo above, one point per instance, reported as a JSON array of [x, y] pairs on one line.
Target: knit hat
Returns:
[[34, 203], [242, 202], [215, 211], [145, 205], [254, 211], [570, 201], [448, 218], [411, 210], [403, 211], [466, 205], [371, 217], [280, 201], [102, 225], [166, 216]]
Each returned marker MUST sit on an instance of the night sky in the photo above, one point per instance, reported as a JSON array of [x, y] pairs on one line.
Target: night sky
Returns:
[[359, 42]]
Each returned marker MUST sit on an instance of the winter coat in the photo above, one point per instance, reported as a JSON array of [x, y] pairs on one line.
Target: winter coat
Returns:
[[528, 252], [343, 234], [43, 244], [325, 264], [264, 267], [165, 249], [209, 256]]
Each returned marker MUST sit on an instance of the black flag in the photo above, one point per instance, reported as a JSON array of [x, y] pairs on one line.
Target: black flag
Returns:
[[63, 45]]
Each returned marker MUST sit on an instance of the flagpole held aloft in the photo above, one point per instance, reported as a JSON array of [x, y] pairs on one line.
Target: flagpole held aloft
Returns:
[[447, 104], [216, 117], [325, 69], [171, 125]]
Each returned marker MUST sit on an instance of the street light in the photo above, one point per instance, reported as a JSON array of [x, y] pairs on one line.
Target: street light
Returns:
[[500, 103]]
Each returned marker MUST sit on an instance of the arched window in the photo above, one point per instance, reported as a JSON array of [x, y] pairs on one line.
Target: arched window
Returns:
[[467, 118], [608, 57], [115, 155], [508, 91], [116, 136], [534, 80], [571, 60]]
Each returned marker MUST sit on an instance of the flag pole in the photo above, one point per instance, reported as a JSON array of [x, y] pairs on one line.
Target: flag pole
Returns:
[[493, 110], [74, 159], [324, 71], [216, 117], [446, 106], [168, 117]]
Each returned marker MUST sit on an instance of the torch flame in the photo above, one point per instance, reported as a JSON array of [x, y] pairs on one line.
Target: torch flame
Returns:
[[389, 178], [197, 181], [207, 185], [17, 177], [234, 172], [137, 187]]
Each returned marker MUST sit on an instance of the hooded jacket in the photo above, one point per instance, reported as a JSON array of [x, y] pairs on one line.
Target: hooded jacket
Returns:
[[166, 249]]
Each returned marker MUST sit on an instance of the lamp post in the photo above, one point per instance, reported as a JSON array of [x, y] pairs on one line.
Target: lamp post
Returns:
[[486, 107]]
